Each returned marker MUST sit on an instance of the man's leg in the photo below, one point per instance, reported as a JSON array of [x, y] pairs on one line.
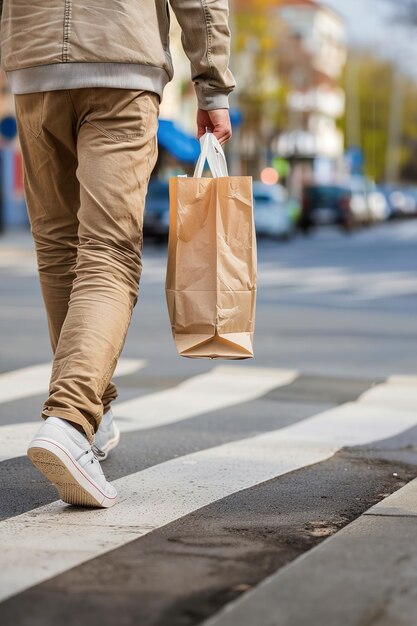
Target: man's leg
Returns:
[[47, 134], [116, 151]]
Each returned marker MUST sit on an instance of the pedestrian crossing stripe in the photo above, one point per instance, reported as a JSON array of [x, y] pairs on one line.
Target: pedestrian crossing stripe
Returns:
[[34, 379], [402, 397], [51, 539], [342, 283], [221, 387]]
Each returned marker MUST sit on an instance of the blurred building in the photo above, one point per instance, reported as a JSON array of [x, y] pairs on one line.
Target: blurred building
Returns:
[[315, 100], [287, 57], [289, 65]]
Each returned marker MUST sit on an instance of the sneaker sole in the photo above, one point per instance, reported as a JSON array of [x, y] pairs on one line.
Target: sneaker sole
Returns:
[[62, 470], [112, 443]]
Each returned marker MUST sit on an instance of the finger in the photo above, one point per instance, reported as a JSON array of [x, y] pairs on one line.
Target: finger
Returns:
[[222, 139], [223, 136], [223, 129], [207, 129], [201, 129]]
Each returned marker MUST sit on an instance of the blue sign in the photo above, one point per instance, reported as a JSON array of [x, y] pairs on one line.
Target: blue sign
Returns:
[[355, 158], [8, 127], [236, 117]]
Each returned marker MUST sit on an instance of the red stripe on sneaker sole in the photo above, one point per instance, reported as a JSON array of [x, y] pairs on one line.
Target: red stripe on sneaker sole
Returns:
[[74, 462]]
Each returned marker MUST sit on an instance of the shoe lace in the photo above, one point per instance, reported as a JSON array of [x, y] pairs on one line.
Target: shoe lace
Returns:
[[95, 453], [98, 454]]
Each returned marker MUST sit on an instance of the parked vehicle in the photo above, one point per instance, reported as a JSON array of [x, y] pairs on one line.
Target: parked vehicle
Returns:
[[402, 201], [412, 194], [327, 204], [274, 212], [352, 203], [156, 217], [377, 205]]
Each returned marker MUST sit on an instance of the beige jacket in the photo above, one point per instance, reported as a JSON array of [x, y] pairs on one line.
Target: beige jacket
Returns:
[[62, 44]]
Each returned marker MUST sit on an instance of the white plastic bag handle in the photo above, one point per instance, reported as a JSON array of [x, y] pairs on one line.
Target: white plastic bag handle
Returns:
[[212, 152]]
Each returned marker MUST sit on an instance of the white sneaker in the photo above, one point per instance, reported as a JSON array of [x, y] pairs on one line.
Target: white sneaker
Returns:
[[66, 458], [107, 437]]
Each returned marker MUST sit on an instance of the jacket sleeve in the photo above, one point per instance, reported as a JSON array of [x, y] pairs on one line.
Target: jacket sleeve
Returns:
[[205, 38]]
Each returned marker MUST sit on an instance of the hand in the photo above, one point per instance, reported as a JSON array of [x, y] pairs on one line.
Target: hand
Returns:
[[217, 122]]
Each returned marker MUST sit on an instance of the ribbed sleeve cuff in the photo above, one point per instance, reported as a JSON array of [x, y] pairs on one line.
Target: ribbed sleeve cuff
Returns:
[[209, 100]]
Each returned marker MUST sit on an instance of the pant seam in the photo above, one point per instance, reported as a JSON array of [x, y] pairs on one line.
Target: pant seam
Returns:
[[68, 94], [103, 382]]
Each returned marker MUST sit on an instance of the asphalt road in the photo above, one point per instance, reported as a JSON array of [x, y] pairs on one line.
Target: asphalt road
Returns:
[[218, 496]]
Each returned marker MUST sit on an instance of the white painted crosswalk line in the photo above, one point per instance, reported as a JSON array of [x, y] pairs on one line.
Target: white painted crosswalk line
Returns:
[[341, 284], [395, 396], [32, 380], [51, 539], [223, 386], [22, 312], [18, 261], [403, 380]]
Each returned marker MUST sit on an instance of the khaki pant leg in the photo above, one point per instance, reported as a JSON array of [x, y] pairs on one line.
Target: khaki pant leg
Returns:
[[46, 127], [116, 152]]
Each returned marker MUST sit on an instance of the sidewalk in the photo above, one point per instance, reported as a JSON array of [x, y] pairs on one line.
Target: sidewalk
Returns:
[[365, 575]]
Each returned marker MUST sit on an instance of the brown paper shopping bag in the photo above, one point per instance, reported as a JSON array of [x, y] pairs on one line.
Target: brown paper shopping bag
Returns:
[[211, 271]]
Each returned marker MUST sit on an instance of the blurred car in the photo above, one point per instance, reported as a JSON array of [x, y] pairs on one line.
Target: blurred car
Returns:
[[274, 212], [402, 201], [156, 216], [354, 202], [377, 205], [412, 194]]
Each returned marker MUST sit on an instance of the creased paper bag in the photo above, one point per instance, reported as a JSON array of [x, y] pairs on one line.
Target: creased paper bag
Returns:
[[211, 270]]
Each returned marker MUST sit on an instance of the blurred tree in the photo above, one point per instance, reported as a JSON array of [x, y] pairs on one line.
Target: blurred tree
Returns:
[[409, 157], [261, 91], [269, 62], [371, 96], [402, 147], [368, 93]]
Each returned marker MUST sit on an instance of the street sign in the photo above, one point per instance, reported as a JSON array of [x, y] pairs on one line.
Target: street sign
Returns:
[[236, 117], [8, 127], [355, 159]]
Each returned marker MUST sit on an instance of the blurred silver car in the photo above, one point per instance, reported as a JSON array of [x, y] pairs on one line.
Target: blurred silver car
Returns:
[[273, 211], [368, 203], [352, 202], [402, 200]]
